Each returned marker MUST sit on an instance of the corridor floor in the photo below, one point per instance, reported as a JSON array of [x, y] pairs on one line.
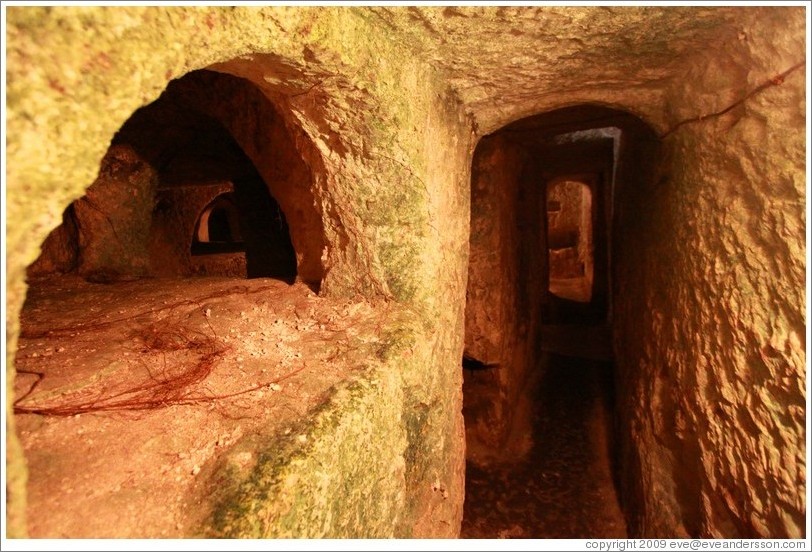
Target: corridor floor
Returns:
[[563, 488]]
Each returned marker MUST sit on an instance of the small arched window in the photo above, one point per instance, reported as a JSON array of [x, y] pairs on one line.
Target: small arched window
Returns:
[[569, 238], [218, 228]]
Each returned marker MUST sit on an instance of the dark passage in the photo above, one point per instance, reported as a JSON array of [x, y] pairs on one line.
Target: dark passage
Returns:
[[269, 251], [563, 488]]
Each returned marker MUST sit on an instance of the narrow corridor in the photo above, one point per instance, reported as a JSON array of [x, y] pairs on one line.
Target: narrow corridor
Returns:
[[563, 488]]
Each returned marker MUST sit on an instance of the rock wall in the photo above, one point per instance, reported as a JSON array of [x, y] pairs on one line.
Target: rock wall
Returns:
[[105, 235], [60, 250], [564, 224], [114, 218], [504, 288], [710, 313], [388, 152]]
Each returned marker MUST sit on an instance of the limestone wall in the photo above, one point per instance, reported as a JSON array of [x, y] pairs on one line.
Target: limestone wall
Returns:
[[570, 229], [505, 285], [369, 123], [710, 313], [491, 322]]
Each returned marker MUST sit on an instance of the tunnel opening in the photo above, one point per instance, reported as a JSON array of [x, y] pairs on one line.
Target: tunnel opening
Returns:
[[218, 228], [246, 224], [542, 428], [176, 196], [569, 239], [174, 315]]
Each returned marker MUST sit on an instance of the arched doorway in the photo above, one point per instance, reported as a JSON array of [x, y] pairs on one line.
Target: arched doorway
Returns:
[[218, 225], [539, 393], [569, 238]]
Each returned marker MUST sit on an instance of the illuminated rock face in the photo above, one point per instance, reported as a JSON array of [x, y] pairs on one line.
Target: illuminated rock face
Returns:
[[377, 113]]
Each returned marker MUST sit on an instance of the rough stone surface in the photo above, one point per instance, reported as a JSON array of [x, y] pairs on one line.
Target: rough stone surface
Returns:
[[60, 250], [384, 105], [500, 316], [114, 218], [278, 362], [526, 60], [369, 124], [569, 230], [718, 405]]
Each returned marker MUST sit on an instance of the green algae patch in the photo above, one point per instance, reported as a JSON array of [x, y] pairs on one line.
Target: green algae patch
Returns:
[[370, 462], [77, 74], [339, 474]]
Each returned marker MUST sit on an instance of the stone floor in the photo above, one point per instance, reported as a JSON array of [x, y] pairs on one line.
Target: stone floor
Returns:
[[575, 289], [563, 488]]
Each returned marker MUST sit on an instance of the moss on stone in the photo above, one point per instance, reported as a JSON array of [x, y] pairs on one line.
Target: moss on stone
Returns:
[[339, 474]]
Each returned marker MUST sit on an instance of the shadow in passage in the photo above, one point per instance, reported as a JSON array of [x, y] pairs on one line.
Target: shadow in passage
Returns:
[[564, 487]]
